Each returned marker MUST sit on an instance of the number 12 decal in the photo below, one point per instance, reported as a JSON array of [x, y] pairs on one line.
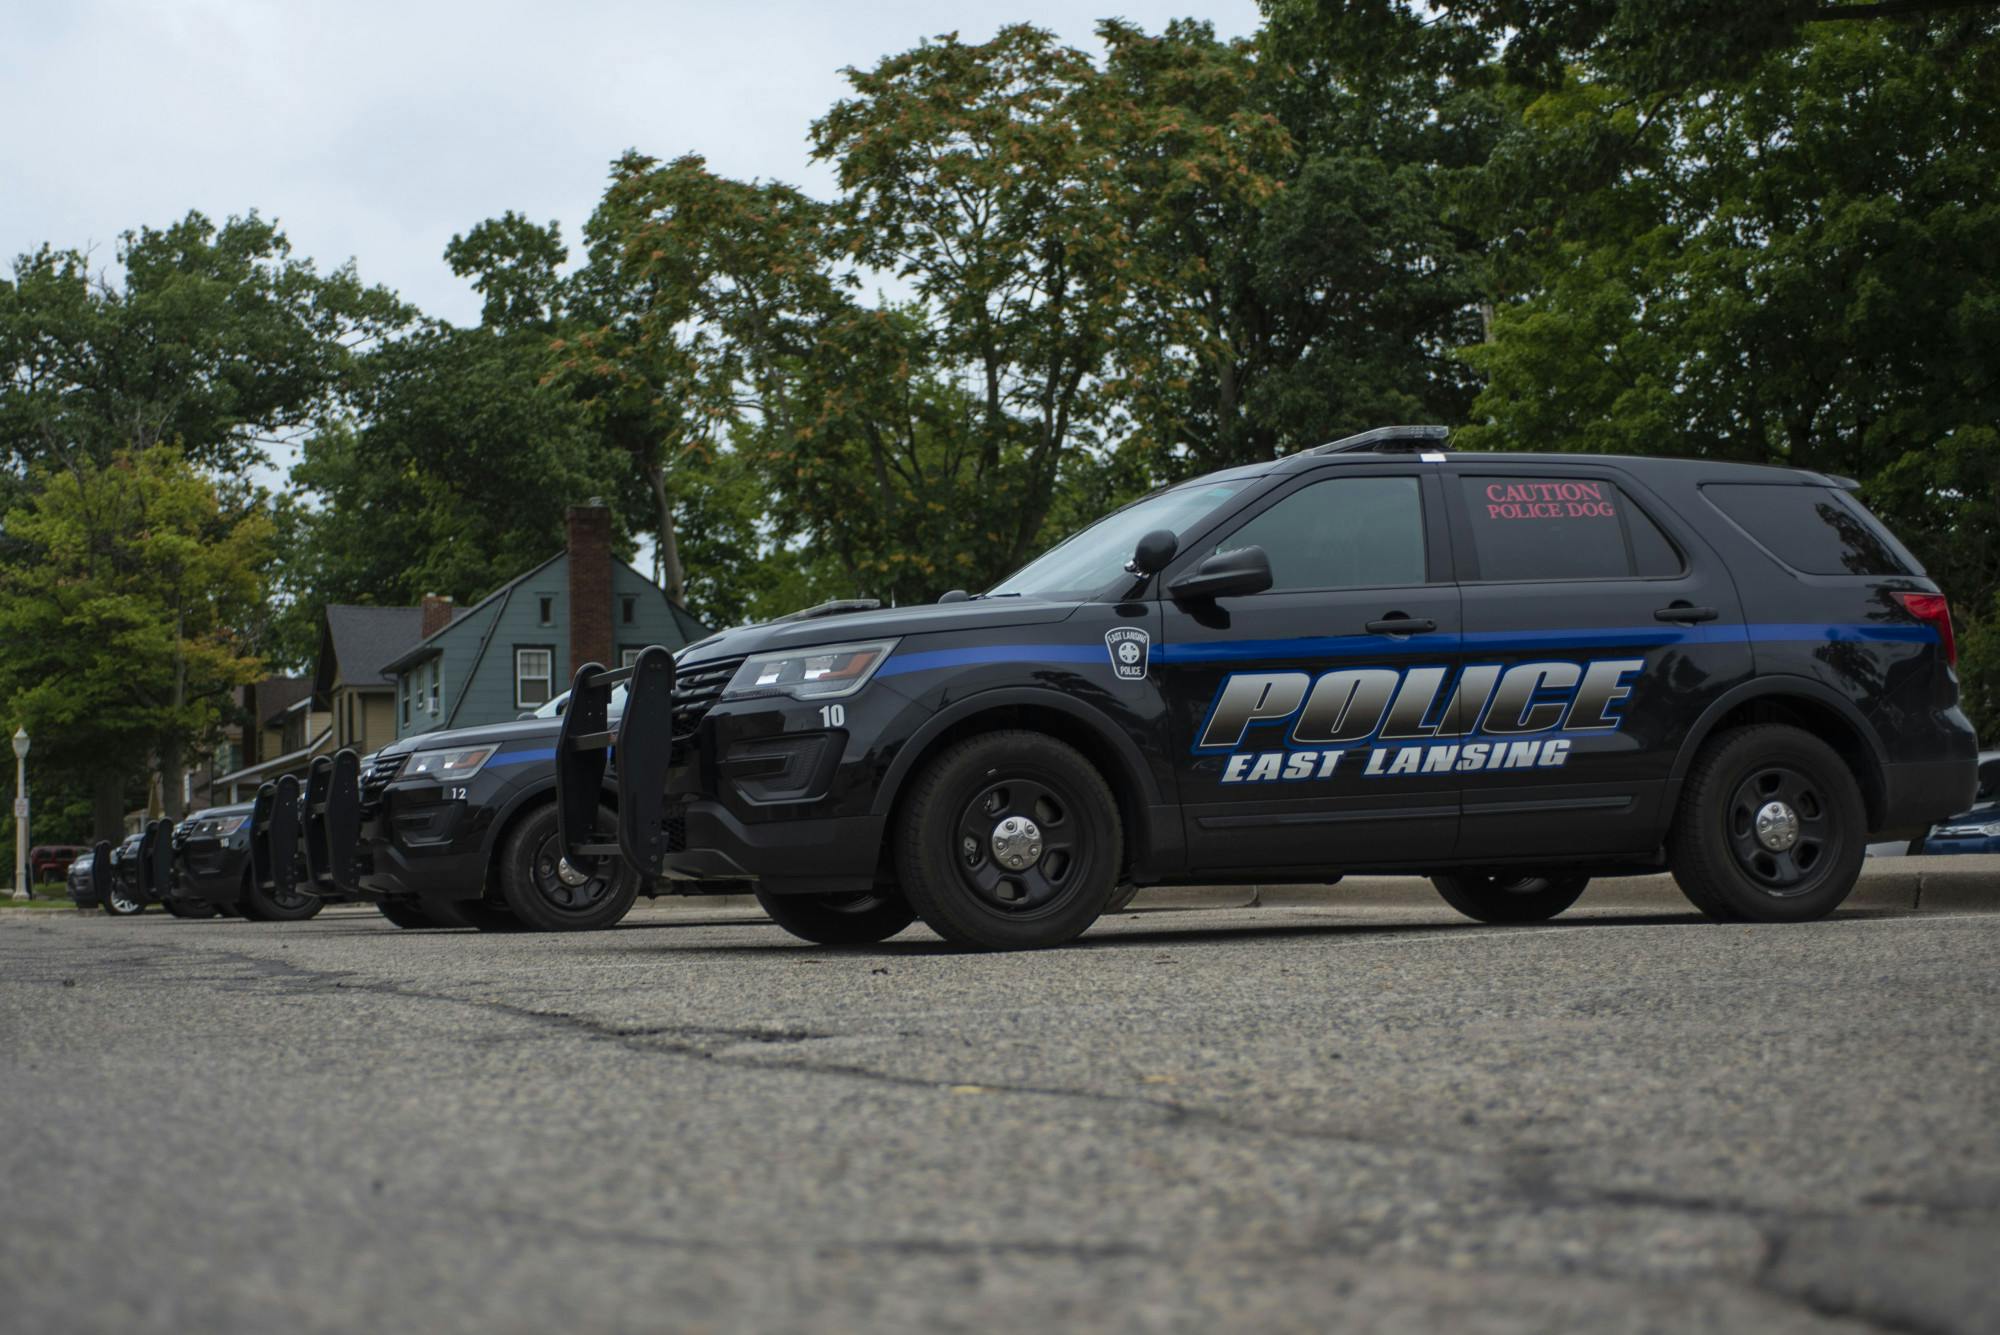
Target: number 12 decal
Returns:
[[833, 716]]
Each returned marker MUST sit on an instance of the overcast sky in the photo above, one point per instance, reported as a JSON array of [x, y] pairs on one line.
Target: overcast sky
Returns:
[[377, 130]]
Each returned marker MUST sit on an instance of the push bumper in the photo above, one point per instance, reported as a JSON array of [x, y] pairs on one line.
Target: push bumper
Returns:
[[685, 845]]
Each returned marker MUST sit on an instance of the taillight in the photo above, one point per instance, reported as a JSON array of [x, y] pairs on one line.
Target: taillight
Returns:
[[1934, 610]]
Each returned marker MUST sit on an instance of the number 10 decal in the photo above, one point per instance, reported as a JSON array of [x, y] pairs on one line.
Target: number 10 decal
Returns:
[[833, 716]]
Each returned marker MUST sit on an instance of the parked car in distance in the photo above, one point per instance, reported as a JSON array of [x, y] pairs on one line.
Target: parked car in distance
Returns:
[[122, 896], [1510, 673], [212, 856], [51, 862], [79, 882]]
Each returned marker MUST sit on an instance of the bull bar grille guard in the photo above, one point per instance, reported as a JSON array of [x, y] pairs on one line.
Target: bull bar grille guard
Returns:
[[643, 744], [319, 836]]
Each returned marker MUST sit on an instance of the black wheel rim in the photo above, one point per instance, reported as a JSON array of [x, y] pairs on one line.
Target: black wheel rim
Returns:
[[574, 893], [1059, 855], [1781, 830], [1518, 885], [290, 900]]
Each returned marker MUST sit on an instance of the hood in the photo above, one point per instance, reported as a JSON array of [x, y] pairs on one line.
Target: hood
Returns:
[[878, 624], [530, 729], [210, 813]]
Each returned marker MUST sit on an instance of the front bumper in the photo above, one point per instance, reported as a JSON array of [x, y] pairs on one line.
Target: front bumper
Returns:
[[826, 854]]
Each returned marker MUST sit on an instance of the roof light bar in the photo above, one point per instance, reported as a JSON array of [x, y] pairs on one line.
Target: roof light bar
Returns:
[[1386, 439]]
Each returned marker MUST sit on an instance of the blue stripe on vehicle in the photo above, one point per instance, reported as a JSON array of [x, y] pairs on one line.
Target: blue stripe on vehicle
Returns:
[[521, 757], [1495, 641], [976, 655]]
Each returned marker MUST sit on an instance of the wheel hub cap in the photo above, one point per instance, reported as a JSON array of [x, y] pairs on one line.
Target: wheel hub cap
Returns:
[[1017, 843], [568, 874], [1777, 826]]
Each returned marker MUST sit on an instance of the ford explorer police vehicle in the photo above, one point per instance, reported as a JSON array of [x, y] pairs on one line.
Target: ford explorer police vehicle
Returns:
[[458, 829], [1510, 673]]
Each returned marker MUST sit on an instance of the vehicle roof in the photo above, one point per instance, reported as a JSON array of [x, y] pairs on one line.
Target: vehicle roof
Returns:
[[1641, 465]]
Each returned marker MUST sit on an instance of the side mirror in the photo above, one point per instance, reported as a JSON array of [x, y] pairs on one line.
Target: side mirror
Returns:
[[1157, 548], [1989, 780], [1225, 575]]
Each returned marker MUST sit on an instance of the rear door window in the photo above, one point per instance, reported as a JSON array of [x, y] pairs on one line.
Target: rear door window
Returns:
[[1537, 528], [1816, 530]]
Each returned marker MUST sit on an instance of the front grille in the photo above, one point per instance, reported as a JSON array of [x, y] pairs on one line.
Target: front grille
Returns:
[[378, 773], [696, 689]]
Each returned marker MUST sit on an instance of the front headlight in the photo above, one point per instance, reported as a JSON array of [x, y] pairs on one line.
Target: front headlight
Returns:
[[811, 674], [462, 763], [228, 825]]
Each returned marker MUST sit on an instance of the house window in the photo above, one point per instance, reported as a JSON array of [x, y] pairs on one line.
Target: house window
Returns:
[[406, 699], [547, 605], [628, 655], [628, 609], [534, 672], [437, 685]]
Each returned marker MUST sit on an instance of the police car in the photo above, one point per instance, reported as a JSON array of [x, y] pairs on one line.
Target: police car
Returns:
[[1511, 673]]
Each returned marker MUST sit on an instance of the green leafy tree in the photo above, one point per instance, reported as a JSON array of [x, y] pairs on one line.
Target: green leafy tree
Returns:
[[122, 617], [1801, 268], [212, 338]]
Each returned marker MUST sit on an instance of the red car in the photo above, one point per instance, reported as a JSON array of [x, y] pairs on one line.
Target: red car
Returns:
[[50, 862]]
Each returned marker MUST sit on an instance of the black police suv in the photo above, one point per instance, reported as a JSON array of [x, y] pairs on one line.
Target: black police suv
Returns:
[[458, 829], [283, 883], [1508, 672], [212, 861], [81, 880]]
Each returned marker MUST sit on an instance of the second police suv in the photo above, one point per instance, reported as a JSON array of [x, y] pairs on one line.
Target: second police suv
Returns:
[[1511, 673]]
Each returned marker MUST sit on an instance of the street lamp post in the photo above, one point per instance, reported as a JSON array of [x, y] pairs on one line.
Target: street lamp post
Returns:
[[21, 814]]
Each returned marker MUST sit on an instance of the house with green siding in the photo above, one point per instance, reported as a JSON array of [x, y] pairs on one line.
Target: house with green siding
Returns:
[[517, 647]]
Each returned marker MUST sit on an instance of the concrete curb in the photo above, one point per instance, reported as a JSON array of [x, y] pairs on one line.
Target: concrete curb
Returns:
[[1910, 885]]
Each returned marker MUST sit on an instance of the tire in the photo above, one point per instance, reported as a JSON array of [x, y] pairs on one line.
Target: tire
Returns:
[[1505, 897], [190, 908], [1728, 848], [545, 894], [1121, 897], [261, 905], [405, 913], [948, 860], [859, 919], [122, 903]]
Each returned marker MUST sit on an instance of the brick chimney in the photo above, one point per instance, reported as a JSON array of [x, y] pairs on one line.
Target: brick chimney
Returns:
[[590, 585], [437, 615]]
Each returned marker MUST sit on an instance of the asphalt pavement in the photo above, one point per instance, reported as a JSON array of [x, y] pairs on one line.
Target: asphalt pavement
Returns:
[[1323, 1114]]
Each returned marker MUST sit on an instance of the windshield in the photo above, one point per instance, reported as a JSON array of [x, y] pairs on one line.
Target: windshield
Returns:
[[1086, 564]]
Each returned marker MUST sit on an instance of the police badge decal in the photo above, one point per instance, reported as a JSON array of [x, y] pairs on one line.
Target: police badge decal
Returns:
[[1128, 646]]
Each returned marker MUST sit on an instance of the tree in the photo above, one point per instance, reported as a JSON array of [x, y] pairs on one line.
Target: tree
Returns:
[[977, 174], [1802, 268], [1299, 273], [121, 619], [214, 339]]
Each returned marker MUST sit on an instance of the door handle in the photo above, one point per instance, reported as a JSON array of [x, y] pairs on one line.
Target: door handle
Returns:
[[1400, 626], [1686, 612]]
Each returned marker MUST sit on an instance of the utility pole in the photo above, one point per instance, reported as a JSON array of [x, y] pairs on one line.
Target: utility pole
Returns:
[[21, 890]]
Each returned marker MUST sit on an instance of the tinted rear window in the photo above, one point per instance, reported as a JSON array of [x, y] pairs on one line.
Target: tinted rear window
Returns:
[[1528, 528], [1816, 530]]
